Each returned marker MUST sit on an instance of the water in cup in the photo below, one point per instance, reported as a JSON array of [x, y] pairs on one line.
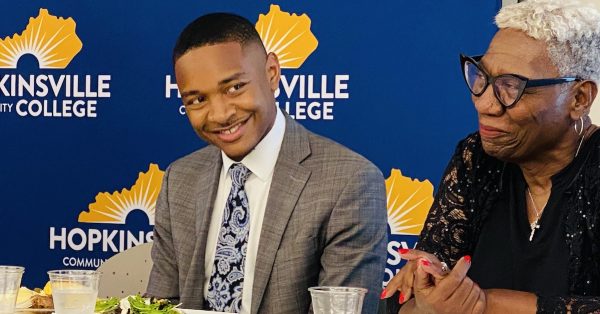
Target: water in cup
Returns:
[[10, 281], [7, 302], [74, 291], [337, 300], [74, 301]]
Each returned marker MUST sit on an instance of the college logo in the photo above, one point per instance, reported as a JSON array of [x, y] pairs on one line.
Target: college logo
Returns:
[[114, 208], [287, 35], [53, 42], [408, 202], [50, 39], [302, 96], [107, 228]]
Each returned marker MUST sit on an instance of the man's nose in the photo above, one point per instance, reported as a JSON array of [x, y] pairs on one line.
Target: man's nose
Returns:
[[221, 110]]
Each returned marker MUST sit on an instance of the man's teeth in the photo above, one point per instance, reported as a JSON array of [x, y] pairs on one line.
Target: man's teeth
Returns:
[[232, 129]]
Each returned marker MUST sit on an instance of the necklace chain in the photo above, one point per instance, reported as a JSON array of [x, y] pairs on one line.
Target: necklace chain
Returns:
[[535, 225], [537, 212]]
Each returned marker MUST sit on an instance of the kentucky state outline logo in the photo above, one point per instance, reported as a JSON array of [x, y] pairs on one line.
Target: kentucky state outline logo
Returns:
[[114, 208], [287, 35], [52, 40], [408, 203]]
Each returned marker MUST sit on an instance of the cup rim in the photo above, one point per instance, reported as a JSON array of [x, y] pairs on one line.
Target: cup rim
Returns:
[[339, 289], [72, 273], [12, 269]]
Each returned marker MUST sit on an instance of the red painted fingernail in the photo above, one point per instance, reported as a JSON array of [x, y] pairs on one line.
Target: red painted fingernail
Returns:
[[401, 299], [425, 262], [468, 258], [383, 294], [403, 251]]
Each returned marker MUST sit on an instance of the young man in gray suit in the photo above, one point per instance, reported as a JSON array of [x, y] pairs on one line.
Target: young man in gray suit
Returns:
[[249, 223]]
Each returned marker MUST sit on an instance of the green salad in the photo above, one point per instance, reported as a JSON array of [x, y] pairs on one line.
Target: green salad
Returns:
[[108, 306], [135, 304]]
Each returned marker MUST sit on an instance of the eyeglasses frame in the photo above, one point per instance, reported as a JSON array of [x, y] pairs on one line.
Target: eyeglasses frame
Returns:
[[490, 80]]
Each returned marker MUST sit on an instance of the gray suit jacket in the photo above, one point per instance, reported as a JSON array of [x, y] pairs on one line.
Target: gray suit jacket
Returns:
[[325, 223]]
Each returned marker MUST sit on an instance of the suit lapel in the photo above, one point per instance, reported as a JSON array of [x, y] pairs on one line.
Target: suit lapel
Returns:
[[205, 190], [289, 179]]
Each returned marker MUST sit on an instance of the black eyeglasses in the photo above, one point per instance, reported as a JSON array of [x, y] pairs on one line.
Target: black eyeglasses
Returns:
[[508, 88]]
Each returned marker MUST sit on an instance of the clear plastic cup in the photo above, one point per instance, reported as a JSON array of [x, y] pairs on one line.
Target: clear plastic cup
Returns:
[[337, 300], [10, 281], [74, 291]]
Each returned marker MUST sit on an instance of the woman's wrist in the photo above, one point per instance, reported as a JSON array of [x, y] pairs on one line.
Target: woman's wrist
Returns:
[[502, 300]]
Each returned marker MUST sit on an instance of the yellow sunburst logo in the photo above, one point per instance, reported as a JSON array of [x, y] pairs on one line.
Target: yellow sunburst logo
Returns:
[[408, 202], [287, 35], [52, 40], [114, 208]]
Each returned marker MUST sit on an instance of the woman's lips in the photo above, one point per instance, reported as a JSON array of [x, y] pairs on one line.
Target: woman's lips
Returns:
[[490, 132]]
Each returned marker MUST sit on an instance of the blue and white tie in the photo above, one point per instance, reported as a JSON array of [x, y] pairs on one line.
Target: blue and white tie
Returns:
[[227, 277]]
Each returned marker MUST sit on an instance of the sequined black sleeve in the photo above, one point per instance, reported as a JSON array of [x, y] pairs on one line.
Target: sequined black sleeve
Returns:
[[568, 304], [446, 232], [581, 221], [451, 226], [584, 246]]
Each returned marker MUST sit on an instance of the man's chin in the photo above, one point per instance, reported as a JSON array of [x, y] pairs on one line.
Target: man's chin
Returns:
[[236, 155], [235, 151]]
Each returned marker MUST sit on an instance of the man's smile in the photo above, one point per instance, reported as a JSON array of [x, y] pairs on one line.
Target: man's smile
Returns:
[[232, 132]]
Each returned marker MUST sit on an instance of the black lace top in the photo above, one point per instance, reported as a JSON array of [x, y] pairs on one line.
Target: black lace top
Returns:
[[474, 184]]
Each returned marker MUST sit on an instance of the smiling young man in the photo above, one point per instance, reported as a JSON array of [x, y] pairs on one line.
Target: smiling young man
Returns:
[[269, 209]]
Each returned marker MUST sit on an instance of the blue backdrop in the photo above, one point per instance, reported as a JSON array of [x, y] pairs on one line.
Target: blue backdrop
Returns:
[[407, 106]]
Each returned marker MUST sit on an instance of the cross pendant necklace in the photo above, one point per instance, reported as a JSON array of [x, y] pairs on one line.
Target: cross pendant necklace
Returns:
[[534, 225]]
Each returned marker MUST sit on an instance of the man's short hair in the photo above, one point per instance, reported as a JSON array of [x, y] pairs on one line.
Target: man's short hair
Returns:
[[215, 28]]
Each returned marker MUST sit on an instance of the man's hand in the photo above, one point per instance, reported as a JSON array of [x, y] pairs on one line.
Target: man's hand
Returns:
[[454, 293]]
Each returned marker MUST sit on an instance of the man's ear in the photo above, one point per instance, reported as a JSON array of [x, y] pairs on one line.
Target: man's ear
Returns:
[[585, 93], [273, 70]]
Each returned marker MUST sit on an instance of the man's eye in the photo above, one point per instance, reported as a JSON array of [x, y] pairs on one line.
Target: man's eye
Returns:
[[234, 88], [196, 101]]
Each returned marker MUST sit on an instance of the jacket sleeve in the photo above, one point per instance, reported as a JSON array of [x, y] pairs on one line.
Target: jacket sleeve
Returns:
[[164, 279], [355, 250]]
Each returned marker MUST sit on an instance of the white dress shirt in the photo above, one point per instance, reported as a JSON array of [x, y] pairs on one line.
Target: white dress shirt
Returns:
[[261, 162]]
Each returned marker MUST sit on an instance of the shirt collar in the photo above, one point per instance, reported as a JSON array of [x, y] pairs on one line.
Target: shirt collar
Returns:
[[261, 160]]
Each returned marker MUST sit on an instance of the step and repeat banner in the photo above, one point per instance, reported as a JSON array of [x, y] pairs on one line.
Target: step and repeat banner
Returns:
[[90, 115]]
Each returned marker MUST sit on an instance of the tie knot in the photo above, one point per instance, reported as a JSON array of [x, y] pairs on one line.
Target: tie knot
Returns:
[[239, 174]]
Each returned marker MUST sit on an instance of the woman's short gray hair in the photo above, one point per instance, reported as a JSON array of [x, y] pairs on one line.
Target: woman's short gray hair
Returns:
[[570, 28]]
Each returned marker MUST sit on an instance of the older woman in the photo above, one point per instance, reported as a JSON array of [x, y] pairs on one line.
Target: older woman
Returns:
[[516, 221]]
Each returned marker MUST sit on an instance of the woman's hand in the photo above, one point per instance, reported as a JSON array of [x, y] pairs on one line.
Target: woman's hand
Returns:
[[404, 279], [454, 293]]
